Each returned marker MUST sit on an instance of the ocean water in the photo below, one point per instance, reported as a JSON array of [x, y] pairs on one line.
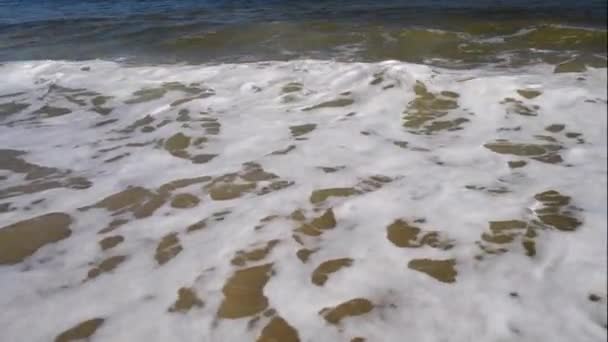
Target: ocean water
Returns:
[[303, 171]]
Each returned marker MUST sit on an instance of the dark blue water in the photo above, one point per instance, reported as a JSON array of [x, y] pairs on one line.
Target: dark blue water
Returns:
[[168, 31], [29, 11]]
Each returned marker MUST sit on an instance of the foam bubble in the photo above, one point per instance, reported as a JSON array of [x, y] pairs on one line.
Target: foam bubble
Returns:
[[312, 200]]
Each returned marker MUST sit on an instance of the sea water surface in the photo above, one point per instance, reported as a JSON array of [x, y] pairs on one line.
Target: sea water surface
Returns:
[[303, 170]]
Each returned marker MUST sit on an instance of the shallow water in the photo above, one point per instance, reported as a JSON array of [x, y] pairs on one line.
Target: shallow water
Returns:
[[290, 171], [311, 221]]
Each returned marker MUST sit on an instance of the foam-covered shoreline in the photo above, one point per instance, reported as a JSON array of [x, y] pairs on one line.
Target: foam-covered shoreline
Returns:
[[376, 200]]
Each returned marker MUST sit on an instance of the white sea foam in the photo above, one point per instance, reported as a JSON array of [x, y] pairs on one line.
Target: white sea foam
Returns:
[[446, 177]]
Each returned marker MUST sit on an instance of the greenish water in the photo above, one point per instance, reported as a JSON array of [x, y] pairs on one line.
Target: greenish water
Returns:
[[456, 34]]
